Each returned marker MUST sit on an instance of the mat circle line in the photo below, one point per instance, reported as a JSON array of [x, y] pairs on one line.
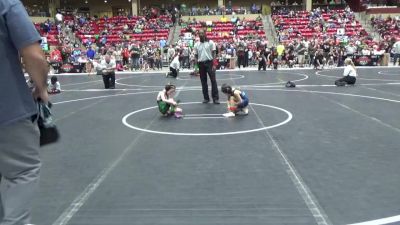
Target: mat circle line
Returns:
[[235, 78], [289, 118], [305, 77], [386, 73], [253, 89], [358, 77]]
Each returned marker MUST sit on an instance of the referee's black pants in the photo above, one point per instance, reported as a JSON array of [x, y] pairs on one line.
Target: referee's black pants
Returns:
[[204, 69]]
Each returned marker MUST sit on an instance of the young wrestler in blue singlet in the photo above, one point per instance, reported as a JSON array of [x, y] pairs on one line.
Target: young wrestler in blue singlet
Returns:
[[237, 101]]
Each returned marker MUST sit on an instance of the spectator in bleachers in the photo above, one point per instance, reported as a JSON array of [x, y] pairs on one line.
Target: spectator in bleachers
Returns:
[[312, 49], [350, 49], [117, 55], [280, 49], [163, 42], [171, 53], [262, 59], [90, 53], [301, 50], [246, 55], [55, 55], [185, 57], [158, 60], [365, 51], [125, 56], [135, 55], [396, 52], [240, 54], [59, 18]]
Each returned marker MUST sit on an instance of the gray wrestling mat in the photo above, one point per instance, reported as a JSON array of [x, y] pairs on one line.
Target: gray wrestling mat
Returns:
[[314, 154]]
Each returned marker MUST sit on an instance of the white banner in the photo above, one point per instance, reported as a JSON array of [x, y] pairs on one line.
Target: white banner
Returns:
[[340, 31], [187, 35], [44, 40]]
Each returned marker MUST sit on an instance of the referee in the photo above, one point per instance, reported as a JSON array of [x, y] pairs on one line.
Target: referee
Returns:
[[205, 53]]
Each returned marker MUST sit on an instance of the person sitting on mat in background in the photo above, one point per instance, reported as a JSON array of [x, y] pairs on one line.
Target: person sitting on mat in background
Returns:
[[237, 101], [54, 86], [166, 103], [349, 74], [174, 66]]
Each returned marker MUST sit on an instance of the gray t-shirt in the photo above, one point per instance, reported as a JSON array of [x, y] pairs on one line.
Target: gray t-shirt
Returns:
[[204, 50], [16, 32]]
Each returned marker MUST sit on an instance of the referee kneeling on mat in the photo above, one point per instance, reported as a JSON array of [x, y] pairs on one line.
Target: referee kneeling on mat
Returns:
[[108, 71], [205, 54]]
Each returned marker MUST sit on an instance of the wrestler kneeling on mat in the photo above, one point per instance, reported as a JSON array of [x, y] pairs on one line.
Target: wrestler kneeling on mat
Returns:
[[166, 103], [349, 74], [237, 101]]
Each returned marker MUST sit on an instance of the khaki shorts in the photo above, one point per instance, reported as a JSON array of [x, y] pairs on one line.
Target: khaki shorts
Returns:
[[300, 58]]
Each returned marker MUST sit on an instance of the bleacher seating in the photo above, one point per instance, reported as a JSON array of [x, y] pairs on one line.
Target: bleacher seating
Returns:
[[302, 26], [387, 28], [52, 34], [225, 31], [117, 34]]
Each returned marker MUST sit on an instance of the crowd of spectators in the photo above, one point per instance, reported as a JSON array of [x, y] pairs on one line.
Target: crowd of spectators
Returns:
[[149, 55], [84, 43], [322, 49], [240, 42], [387, 28], [305, 36], [229, 9], [316, 24], [324, 53], [313, 38], [133, 42], [37, 11], [237, 40]]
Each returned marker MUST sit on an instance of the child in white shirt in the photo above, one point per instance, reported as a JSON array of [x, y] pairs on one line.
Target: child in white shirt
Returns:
[[349, 74], [174, 67]]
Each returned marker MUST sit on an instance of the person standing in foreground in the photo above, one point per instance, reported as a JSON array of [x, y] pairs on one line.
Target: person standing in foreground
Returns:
[[205, 54], [349, 74], [19, 134]]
